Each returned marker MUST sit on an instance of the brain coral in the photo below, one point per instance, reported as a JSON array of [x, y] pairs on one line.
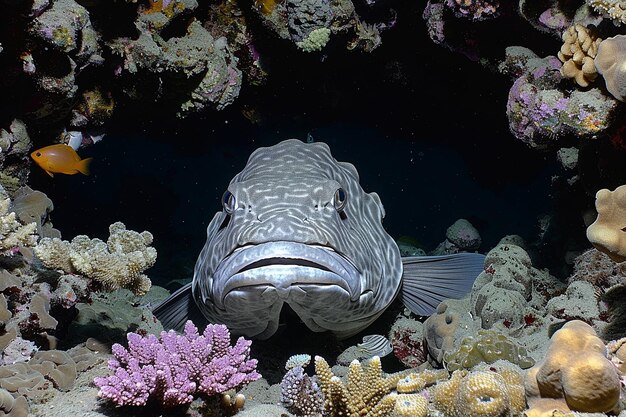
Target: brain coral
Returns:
[[576, 372], [478, 394]]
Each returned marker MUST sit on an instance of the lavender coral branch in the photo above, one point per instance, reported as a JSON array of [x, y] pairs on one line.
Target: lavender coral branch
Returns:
[[174, 368]]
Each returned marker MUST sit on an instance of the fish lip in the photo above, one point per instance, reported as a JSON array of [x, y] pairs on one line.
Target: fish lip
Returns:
[[269, 264]]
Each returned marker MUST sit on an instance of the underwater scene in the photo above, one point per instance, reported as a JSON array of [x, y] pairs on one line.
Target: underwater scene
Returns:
[[313, 208]]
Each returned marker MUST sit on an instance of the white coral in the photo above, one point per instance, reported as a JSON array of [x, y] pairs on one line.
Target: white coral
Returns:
[[12, 232], [118, 263], [613, 9]]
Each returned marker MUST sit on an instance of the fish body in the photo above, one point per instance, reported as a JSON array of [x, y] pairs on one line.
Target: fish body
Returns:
[[60, 159], [297, 227]]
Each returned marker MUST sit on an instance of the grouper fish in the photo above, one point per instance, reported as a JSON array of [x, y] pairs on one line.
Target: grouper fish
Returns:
[[296, 227]]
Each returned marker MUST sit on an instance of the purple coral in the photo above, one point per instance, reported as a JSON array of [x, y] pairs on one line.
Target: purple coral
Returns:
[[174, 368], [300, 394]]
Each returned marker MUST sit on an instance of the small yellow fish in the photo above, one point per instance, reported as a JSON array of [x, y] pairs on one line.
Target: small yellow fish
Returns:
[[60, 159]]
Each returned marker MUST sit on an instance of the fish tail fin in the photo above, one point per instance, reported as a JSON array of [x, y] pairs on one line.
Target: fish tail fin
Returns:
[[179, 307], [83, 165], [428, 280]]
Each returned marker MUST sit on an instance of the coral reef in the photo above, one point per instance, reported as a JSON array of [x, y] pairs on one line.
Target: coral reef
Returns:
[[117, 263], [173, 369]]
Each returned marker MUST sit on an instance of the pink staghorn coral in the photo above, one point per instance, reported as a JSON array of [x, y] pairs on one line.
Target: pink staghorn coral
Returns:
[[174, 368]]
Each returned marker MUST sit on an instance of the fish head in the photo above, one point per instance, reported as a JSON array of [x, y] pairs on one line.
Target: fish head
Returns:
[[296, 227]]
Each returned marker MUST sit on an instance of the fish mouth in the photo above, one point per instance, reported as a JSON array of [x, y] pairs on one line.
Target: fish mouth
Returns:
[[282, 265]]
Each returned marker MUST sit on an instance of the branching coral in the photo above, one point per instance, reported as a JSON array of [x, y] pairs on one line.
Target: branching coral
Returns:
[[613, 9], [118, 263], [368, 392], [173, 369], [580, 46], [13, 233]]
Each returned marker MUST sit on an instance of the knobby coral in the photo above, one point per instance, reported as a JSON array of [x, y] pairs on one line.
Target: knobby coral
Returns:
[[580, 46], [174, 368]]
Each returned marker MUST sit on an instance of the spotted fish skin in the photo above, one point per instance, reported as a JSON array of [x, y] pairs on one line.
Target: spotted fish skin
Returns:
[[283, 240]]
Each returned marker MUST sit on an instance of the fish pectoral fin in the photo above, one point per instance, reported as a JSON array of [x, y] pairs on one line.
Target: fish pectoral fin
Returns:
[[179, 307], [428, 280], [49, 173]]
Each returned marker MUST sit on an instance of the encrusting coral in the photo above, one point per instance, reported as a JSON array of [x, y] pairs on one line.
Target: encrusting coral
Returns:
[[575, 375], [580, 46], [607, 233], [118, 263]]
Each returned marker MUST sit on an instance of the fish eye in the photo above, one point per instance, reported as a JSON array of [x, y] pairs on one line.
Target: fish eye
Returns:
[[228, 202], [340, 199], [38, 154]]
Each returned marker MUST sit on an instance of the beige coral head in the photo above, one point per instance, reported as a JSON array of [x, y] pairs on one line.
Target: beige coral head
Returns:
[[579, 48], [610, 61], [608, 232]]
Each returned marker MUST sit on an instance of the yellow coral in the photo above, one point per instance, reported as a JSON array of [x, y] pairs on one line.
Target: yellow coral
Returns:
[[480, 394], [410, 405], [576, 372], [414, 381], [367, 392]]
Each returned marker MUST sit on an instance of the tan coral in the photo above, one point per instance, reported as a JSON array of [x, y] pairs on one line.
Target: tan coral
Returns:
[[410, 405], [611, 63], [575, 374], [613, 9], [479, 394], [366, 393], [54, 253], [608, 232], [580, 46], [12, 232], [118, 263]]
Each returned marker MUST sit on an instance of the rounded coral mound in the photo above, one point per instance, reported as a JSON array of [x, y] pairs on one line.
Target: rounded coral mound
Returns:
[[607, 233], [479, 394]]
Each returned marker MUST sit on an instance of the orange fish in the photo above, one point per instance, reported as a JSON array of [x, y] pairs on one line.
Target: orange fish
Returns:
[[60, 159]]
